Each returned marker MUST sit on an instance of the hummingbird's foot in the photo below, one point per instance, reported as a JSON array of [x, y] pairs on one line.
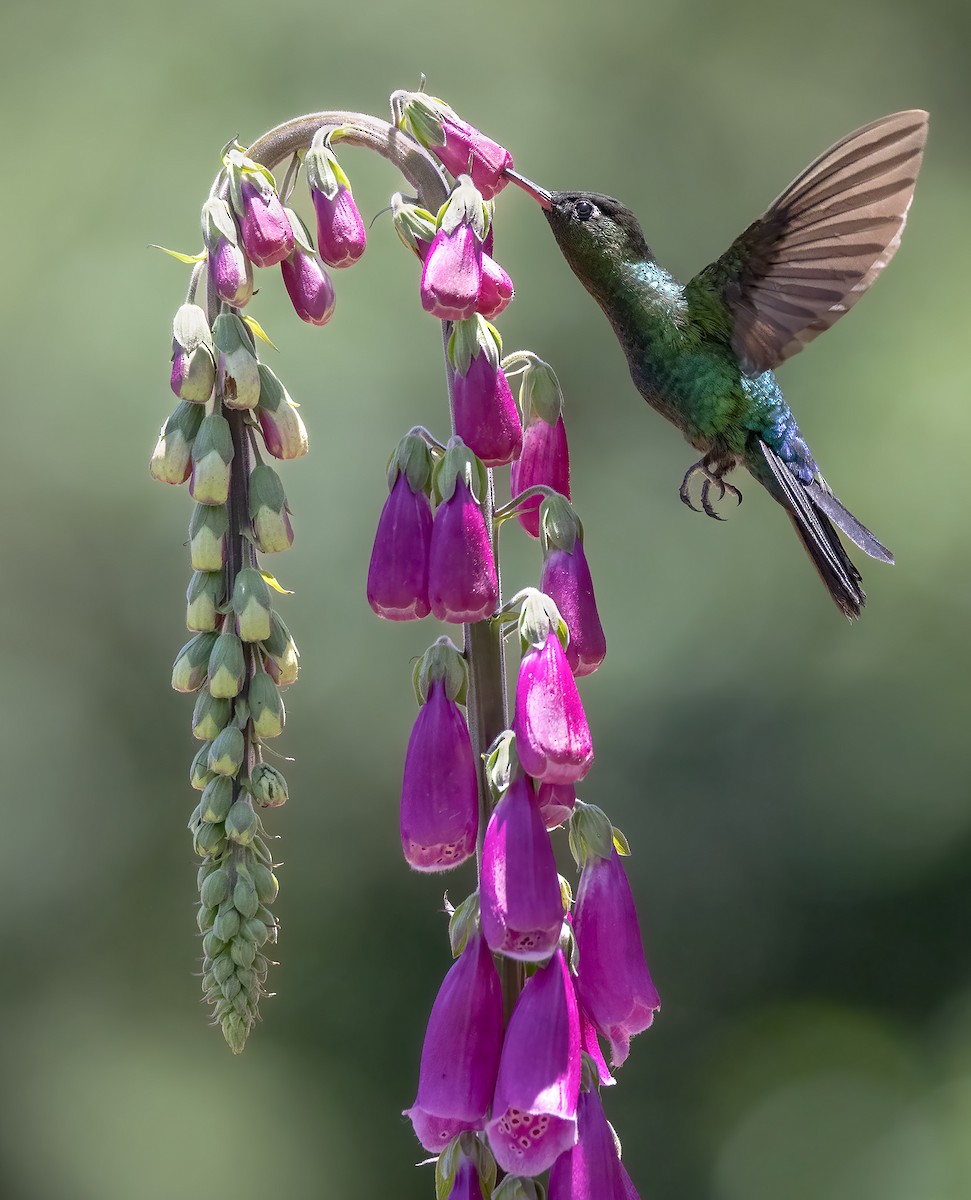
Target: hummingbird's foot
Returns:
[[709, 479]]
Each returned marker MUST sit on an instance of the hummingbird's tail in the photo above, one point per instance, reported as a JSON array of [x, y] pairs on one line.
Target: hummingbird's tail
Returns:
[[813, 510]]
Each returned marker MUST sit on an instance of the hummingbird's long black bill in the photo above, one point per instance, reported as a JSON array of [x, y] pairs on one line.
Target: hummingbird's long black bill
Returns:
[[540, 195]]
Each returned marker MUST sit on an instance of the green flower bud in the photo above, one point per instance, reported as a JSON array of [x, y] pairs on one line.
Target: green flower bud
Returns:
[[227, 666], [235, 1030], [243, 952], [217, 799], [199, 773], [212, 947], [226, 927], [173, 451], [266, 883], [223, 967], [203, 597], [283, 428], [216, 888], [210, 716], [207, 537], [254, 931], [239, 377], [227, 751], [242, 824], [266, 706], [245, 899], [284, 656], [212, 456], [193, 364], [268, 510], [247, 977], [190, 666], [205, 917], [231, 988], [209, 840], [251, 604], [268, 786]]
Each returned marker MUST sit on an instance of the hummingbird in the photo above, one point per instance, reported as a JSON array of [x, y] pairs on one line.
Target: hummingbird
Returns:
[[703, 354]]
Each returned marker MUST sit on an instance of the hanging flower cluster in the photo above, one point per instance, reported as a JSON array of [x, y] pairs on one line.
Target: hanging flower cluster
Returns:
[[512, 1058], [242, 653]]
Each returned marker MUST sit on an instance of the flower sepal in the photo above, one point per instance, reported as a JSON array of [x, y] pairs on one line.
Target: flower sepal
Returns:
[[464, 1154], [442, 661], [592, 833], [458, 462], [538, 618]]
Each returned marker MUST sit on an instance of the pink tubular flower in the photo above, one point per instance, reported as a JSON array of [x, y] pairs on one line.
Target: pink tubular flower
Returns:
[[486, 417], [556, 801], [591, 1170], [522, 910], [552, 735], [545, 459], [341, 236], [309, 287], [614, 984], [439, 792], [459, 146], [534, 1108], [495, 290], [462, 583], [566, 580], [452, 274], [264, 227], [230, 273], [397, 581], [460, 1055]]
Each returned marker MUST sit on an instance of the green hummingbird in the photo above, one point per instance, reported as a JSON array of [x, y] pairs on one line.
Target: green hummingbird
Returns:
[[703, 353]]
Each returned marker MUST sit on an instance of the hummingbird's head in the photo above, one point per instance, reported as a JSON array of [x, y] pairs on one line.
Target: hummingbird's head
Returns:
[[591, 228]]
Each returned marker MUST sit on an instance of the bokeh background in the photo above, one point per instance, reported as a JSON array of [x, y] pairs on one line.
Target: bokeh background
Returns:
[[795, 789]]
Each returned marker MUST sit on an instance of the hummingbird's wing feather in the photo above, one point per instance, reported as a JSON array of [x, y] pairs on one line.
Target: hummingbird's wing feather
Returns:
[[841, 516], [817, 535], [801, 266]]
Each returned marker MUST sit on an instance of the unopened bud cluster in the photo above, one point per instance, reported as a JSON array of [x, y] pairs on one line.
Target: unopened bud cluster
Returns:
[[242, 654]]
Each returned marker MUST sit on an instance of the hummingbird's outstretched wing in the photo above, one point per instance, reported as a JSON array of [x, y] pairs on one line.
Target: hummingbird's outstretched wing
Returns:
[[812, 255]]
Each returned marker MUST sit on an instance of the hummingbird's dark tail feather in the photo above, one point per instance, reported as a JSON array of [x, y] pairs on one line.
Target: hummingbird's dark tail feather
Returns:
[[855, 530], [817, 534]]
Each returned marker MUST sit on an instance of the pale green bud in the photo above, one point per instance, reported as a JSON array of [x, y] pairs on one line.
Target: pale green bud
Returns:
[[217, 799], [207, 537], [284, 664], [204, 918], [209, 840], [191, 663], [203, 597], [242, 824], [215, 889], [223, 967], [173, 451], [199, 773], [227, 666], [210, 716], [266, 706], [283, 429], [268, 786], [266, 883], [239, 377], [212, 947], [226, 927], [212, 456], [227, 751], [251, 604], [243, 952], [268, 510], [245, 899], [254, 930], [193, 363]]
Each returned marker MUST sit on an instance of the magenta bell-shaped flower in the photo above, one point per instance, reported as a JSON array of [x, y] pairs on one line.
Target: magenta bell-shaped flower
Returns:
[[545, 459], [614, 984], [566, 580], [397, 580], [552, 735], [534, 1109], [495, 290], [464, 144], [590, 1042], [341, 236], [309, 287], [462, 583], [452, 274], [439, 793], [519, 889], [591, 1170], [460, 1055], [264, 227], [486, 417]]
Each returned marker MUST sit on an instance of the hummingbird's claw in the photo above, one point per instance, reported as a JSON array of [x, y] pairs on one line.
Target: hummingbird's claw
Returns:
[[709, 479]]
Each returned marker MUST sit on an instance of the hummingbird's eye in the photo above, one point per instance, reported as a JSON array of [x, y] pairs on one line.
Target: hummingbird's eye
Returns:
[[584, 210]]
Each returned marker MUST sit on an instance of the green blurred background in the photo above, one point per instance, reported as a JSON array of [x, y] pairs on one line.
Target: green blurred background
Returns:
[[795, 789]]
